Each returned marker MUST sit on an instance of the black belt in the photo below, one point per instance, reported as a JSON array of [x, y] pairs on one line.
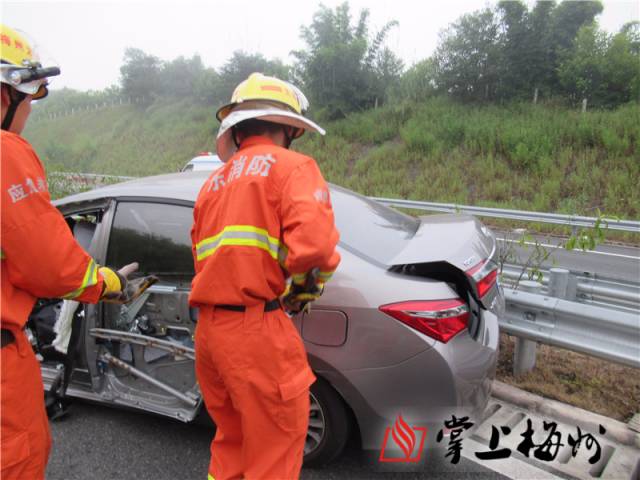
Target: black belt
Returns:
[[7, 338], [268, 306]]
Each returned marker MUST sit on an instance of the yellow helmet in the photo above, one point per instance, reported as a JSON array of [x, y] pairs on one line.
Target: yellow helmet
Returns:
[[20, 65], [267, 98], [267, 89]]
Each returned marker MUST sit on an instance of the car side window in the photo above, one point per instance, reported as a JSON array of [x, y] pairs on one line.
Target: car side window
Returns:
[[155, 235]]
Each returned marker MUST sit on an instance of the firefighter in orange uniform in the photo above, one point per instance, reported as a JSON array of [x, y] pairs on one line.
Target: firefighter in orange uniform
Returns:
[[40, 258], [263, 224]]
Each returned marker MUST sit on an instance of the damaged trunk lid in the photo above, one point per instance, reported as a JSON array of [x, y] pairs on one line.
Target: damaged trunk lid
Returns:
[[456, 249]]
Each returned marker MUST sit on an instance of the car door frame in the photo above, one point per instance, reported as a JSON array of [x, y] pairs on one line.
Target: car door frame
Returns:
[[94, 314]]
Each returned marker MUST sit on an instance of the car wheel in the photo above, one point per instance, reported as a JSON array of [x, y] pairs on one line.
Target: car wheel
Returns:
[[329, 425]]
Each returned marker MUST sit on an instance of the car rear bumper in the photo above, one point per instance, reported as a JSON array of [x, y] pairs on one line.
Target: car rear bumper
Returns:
[[425, 389]]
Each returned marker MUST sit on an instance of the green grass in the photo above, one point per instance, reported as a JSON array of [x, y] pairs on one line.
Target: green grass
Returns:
[[125, 139], [517, 156], [543, 158], [587, 382]]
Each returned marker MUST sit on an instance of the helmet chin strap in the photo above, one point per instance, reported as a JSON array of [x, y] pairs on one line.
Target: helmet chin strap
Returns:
[[234, 131], [289, 138], [16, 97]]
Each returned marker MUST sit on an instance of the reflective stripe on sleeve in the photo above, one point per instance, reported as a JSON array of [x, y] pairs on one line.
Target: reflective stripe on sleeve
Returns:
[[243, 236], [2, 255], [300, 278], [324, 277], [90, 278]]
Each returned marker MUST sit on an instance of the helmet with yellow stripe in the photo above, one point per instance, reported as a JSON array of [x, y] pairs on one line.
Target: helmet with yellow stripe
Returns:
[[21, 69], [266, 98], [20, 64]]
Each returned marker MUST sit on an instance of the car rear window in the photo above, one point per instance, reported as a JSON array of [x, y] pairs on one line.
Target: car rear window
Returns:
[[370, 229]]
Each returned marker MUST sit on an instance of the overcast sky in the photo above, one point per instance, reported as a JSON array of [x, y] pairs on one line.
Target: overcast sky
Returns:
[[88, 38]]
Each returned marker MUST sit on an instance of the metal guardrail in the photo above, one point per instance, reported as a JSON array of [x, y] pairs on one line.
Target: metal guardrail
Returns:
[[598, 317], [574, 221], [91, 176], [581, 287], [579, 311], [65, 183]]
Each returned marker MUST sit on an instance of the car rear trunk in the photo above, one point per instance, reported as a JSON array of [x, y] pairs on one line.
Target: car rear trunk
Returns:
[[458, 239], [456, 249]]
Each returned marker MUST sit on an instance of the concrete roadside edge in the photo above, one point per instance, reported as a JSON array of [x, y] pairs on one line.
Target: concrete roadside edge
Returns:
[[616, 431]]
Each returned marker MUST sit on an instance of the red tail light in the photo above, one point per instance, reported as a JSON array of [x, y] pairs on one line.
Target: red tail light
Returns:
[[439, 319], [484, 275]]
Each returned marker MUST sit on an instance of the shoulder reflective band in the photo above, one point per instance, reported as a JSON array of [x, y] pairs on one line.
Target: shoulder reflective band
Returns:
[[90, 278], [2, 255], [242, 236]]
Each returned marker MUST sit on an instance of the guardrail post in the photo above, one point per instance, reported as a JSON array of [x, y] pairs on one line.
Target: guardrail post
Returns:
[[562, 284], [524, 354]]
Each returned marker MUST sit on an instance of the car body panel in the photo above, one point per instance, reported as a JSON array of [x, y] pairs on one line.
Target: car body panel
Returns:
[[378, 365], [468, 242]]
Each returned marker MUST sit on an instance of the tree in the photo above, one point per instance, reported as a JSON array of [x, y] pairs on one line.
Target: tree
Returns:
[[515, 74], [140, 74], [582, 71], [417, 83], [510, 52], [178, 77], [468, 57], [601, 68], [632, 31], [622, 68], [241, 65], [342, 69], [542, 69], [207, 88], [387, 73], [568, 18]]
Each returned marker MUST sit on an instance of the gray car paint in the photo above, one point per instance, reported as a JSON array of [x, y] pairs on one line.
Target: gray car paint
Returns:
[[379, 366]]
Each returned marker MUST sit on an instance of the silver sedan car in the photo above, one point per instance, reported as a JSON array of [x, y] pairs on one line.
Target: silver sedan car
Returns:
[[404, 337]]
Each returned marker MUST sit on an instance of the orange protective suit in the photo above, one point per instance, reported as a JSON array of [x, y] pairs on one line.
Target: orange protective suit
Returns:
[[40, 258], [262, 217]]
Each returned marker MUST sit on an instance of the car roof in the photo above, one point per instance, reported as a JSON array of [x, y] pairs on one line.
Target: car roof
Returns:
[[183, 186], [178, 186]]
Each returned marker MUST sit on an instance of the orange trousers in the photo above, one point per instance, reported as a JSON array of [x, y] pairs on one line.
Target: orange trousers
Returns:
[[24, 427], [254, 375]]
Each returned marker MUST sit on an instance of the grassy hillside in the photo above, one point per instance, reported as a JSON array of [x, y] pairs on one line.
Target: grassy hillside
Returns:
[[540, 158], [125, 139]]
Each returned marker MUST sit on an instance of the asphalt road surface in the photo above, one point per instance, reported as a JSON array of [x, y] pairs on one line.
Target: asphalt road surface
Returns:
[[100, 443], [610, 261]]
